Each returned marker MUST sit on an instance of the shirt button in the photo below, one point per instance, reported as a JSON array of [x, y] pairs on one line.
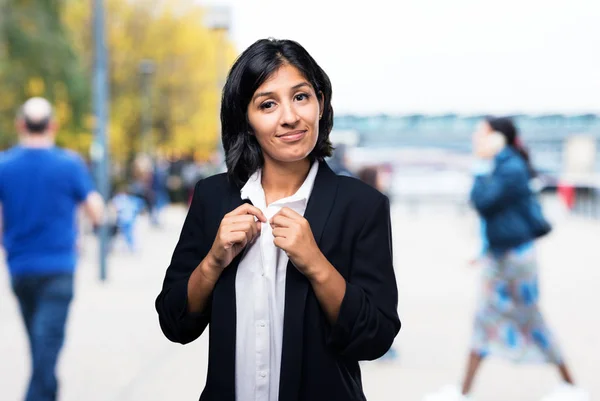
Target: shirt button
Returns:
[[263, 374]]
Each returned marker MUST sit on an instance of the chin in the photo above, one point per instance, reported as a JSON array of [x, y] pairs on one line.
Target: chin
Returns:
[[292, 157]]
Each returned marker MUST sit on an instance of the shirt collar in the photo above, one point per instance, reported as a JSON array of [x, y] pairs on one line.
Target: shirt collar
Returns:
[[254, 191]]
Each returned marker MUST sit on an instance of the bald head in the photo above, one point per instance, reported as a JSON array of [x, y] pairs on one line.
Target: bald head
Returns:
[[36, 115]]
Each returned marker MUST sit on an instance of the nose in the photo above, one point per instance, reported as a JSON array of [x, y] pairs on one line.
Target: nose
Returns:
[[289, 115]]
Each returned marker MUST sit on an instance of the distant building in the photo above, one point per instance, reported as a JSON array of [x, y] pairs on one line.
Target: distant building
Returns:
[[545, 135]]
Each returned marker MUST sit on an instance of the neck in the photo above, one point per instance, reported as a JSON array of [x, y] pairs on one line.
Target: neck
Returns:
[[37, 141], [280, 180]]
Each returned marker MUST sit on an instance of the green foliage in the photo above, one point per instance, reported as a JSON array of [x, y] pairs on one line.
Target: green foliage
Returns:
[[38, 59]]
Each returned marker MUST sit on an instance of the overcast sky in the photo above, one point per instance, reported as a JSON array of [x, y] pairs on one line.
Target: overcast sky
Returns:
[[437, 56]]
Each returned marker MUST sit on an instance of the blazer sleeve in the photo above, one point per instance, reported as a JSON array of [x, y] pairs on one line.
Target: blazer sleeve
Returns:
[[494, 192], [368, 318], [176, 322]]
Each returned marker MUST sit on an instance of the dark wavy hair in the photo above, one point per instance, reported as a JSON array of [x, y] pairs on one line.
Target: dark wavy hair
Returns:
[[253, 67], [508, 129]]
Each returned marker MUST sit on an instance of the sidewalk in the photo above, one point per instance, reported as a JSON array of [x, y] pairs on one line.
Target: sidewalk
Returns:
[[115, 350]]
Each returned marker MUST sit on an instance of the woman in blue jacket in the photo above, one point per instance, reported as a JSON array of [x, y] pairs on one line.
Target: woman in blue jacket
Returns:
[[508, 322]]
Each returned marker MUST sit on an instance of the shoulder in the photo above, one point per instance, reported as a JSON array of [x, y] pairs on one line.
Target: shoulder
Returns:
[[4, 157], [214, 189], [69, 157], [11, 158], [218, 182], [509, 163], [7, 152]]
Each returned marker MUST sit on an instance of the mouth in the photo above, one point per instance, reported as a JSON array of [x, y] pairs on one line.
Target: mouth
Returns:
[[292, 136]]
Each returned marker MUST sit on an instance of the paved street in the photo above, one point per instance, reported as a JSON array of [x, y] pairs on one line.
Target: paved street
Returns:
[[116, 352]]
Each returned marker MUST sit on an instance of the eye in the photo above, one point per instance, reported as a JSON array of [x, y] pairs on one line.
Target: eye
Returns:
[[301, 96], [267, 105]]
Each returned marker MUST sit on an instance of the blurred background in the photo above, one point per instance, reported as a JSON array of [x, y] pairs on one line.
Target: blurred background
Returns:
[[411, 81]]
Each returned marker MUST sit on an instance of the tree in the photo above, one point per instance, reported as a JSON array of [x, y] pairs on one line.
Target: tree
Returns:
[[185, 96], [37, 59]]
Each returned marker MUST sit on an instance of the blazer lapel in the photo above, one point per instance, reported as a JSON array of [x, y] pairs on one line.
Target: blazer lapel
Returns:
[[317, 212]]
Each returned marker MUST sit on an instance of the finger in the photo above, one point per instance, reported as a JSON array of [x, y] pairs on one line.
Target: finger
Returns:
[[282, 221], [241, 225], [246, 227], [281, 243], [253, 228], [292, 214], [233, 223], [281, 232], [244, 218], [232, 238], [246, 208]]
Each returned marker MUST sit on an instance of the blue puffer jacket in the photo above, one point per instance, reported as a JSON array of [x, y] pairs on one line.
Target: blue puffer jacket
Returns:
[[502, 200]]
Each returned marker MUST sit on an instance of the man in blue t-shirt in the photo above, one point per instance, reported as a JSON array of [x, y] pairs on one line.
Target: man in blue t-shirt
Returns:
[[41, 187]]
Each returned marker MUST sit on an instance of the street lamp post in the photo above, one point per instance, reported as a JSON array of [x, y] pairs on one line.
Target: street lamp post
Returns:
[[147, 68], [218, 19], [99, 150]]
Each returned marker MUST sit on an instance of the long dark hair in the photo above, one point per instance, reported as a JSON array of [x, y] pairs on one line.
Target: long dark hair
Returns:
[[254, 66], [506, 127]]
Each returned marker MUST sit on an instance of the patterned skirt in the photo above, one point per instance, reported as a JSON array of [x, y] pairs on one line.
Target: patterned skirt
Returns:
[[508, 322]]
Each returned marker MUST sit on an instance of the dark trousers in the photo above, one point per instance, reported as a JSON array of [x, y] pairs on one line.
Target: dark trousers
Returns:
[[44, 302]]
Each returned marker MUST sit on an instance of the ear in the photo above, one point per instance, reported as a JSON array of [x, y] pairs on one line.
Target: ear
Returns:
[[321, 104], [20, 125], [53, 128]]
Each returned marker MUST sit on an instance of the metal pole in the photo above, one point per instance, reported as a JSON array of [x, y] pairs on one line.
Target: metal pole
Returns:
[[99, 147], [220, 84], [146, 71], [218, 18]]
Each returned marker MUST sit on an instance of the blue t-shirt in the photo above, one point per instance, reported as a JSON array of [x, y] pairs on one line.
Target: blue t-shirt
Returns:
[[40, 190]]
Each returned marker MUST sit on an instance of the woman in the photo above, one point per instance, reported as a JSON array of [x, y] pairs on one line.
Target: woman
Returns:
[[289, 265], [508, 322]]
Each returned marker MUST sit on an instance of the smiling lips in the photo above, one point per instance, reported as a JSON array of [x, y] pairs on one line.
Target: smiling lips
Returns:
[[292, 136]]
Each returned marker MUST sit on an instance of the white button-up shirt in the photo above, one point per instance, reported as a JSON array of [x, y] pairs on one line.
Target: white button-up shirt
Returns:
[[260, 298]]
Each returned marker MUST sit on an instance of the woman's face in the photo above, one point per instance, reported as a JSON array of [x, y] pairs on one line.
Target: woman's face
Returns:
[[483, 129], [486, 142], [284, 115]]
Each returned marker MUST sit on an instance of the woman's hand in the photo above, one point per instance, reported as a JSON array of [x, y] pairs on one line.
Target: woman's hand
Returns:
[[238, 228], [293, 235]]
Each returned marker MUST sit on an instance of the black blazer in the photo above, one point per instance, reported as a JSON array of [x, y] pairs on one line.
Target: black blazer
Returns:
[[351, 224]]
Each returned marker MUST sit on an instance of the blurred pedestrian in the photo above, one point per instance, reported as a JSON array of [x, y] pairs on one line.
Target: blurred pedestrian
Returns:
[[41, 187], [142, 182], [370, 175], [338, 161], [126, 207], [191, 173], [508, 322], [289, 263], [160, 176]]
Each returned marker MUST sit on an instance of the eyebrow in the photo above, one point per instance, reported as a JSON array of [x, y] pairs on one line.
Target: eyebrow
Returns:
[[263, 94]]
